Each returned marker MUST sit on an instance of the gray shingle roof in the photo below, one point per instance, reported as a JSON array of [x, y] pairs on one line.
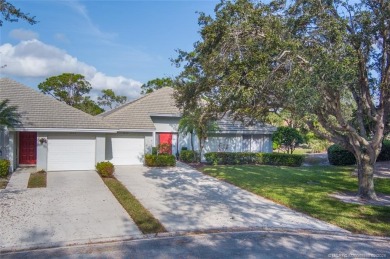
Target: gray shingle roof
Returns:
[[227, 125], [42, 111], [137, 114]]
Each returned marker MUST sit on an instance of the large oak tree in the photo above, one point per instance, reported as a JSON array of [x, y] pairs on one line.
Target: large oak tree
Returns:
[[326, 61]]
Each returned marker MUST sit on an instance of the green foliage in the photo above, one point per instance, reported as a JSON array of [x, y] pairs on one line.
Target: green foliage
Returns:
[[105, 169], [189, 156], [37, 180], [184, 148], [327, 61], [73, 89], [110, 99], [339, 156], [385, 152], [161, 160], [9, 117], [240, 158], [287, 138], [89, 106], [164, 148], [67, 87], [154, 150], [156, 84], [4, 167], [318, 145], [197, 121], [10, 13]]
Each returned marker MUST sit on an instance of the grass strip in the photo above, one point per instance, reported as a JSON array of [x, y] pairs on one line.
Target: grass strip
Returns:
[[307, 189], [141, 216], [37, 180], [3, 183]]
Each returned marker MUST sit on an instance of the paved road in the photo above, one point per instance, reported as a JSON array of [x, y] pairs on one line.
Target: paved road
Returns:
[[184, 199], [76, 207], [256, 244]]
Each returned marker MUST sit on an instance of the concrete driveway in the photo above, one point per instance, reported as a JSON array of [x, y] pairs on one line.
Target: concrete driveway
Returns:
[[75, 208], [184, 199]]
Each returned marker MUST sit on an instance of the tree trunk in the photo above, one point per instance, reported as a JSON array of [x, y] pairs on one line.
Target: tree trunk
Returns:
[[192, 141], [200, 149], [366, 179]]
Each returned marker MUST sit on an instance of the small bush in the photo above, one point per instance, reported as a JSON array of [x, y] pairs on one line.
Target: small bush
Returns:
[[189, 156], [240, 158], [4, 167], [184, 148], [337, 155], [154, 151], [105, 169], [160, 160], [385, 152], [164, 148]]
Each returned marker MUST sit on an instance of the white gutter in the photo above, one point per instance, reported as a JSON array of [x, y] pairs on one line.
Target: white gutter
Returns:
[[65, 130], [176, 115], [137, 130]]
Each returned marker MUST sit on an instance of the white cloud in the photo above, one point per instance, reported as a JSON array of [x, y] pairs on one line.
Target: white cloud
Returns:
[[22, 34], [34, 58]]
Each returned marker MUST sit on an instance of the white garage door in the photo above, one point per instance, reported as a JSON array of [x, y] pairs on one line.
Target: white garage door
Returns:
[[127, 150], [71, 153]]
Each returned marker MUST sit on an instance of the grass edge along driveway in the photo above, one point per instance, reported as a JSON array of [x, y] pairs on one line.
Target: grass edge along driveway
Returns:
[[307, 189], [145, 221]]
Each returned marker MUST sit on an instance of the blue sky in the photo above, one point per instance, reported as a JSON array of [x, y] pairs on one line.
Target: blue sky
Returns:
[[115, 44]]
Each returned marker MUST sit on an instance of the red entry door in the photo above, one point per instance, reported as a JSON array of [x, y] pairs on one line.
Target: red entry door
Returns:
[[28, 148], [166, 138]]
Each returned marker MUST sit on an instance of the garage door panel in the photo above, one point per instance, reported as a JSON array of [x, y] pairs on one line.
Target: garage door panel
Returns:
[[127, 150], [71, 153]]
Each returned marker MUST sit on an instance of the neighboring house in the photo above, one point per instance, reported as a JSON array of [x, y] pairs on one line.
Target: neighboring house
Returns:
[[54, 136]]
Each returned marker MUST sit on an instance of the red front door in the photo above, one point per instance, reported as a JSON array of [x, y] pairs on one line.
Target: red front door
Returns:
[[166, 138], [27, 148]]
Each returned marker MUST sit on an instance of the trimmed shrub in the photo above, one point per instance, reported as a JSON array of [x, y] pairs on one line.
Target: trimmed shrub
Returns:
[[184, 148], [189, 156], [280, 159], [240, 158], [160, 160], [164, 148], [385, 152], [4, 167], [337, 155], [105, 169], [154, 150]]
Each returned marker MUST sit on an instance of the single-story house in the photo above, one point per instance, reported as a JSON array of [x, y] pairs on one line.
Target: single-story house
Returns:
[[54, 136]]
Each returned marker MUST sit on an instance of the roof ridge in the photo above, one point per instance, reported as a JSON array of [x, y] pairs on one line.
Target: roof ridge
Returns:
[[133, 101], [55, 101]]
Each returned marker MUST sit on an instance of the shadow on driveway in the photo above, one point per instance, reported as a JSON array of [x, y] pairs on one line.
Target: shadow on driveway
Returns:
[[184, 199]]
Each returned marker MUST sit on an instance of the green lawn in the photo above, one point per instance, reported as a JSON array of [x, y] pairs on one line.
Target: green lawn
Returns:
[[3, 183], [141, 216], [37, 180], [306, 189]]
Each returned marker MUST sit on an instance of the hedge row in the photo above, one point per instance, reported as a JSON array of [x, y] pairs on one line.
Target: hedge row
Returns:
[[189, 156], [160, 160], [385, 152], [337, 155], [4, 167], [239, 158]]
